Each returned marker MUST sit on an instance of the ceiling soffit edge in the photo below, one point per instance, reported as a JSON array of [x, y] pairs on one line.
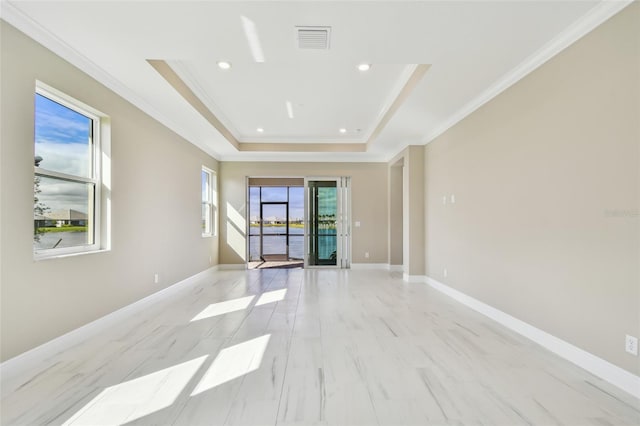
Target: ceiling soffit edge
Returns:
[[11, 14], [188, 78], [409, 80], [171, 77]]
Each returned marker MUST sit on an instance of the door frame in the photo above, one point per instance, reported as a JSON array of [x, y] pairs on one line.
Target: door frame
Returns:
[[262, 234], [343, 222]]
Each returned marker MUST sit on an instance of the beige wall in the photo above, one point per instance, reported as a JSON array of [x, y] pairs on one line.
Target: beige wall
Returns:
[[395, 213], [546, 178], [414, 213], [277, 181], [368, 203], [155, 207], [413, 210]]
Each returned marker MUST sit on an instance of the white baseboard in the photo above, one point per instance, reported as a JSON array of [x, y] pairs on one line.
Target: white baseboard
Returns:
[[370, 266], [385, 266], [613, 374], [413, 278], [23, 362]]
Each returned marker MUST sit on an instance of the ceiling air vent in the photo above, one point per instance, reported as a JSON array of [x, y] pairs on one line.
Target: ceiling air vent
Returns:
[[313, 37]]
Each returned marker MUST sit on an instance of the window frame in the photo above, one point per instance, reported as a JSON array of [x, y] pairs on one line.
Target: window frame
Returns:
[[210, 200], [94, 219]]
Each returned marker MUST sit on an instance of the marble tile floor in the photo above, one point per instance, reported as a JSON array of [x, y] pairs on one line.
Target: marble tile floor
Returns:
[[320, 347]]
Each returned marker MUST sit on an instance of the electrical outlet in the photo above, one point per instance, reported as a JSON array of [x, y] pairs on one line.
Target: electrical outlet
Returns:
[[444, 200], [445, 272], [453, 199], [631, 345], [155, 278], [366, 254]]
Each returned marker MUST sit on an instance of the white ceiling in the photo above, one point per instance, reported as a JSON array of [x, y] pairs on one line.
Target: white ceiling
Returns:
[[324, 97], [475, 49]]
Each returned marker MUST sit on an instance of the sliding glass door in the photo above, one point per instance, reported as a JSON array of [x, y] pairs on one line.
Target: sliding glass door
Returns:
[[327, 236]]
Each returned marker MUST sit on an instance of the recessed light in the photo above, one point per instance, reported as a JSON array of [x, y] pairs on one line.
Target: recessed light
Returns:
[[260, 130], [364, 67], [343, 130], [224, 65]]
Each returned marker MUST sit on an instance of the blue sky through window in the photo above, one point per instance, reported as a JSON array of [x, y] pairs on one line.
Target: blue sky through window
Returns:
[[62, 139]]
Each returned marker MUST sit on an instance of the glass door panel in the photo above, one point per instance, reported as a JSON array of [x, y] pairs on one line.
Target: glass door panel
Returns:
[[327, 223], [274, 225], [296, 223], [323, 211], [254, 224]]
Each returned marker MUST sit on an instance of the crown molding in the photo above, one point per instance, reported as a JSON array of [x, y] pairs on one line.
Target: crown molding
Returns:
[[389, 103], [182, 79], [17, 18], [397, 90], [591, 20], [410, 78], [183, 72], [303, 157]]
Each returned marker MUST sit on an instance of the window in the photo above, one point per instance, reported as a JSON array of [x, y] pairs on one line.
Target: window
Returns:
[[67, 179], [209, 203]]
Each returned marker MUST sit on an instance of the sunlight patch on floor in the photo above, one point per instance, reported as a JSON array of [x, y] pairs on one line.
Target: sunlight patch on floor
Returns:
[[137, 398], [233, 362], [222, 308], [271, 296]]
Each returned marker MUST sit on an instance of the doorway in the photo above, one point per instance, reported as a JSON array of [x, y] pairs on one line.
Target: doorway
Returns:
[[276, 223], [274, 241], [299, 222]]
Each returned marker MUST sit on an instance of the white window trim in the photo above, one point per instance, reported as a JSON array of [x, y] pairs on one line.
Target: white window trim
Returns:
[[98, 121], [212, 201]]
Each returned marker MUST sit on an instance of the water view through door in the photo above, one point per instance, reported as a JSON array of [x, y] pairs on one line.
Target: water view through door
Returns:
[[327, 230], [290, 223], [276, 224], [323, 223], [275, 238]]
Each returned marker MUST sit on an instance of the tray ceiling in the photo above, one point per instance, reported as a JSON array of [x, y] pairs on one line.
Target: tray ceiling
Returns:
[[432, 63]]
